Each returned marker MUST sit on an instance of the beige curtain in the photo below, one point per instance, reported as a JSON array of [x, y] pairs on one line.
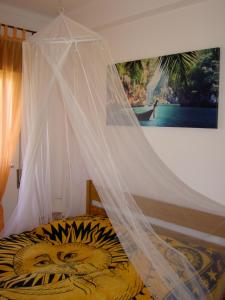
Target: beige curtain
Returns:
[[10, 90]]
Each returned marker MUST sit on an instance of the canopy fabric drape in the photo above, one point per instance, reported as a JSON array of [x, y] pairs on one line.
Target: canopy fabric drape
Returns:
[[10, 106], [77, 123]]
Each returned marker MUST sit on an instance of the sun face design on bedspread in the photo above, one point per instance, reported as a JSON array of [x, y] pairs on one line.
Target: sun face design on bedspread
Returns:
[[67, 258], [72, 258]]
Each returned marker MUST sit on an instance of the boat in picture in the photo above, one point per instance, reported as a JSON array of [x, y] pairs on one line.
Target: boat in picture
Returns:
[[144, 113]]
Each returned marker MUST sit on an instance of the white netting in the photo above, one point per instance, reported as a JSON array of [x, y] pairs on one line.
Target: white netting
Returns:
[[78, 124]]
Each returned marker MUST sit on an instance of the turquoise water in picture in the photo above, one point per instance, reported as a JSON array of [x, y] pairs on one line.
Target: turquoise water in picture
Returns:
[[174, 115]]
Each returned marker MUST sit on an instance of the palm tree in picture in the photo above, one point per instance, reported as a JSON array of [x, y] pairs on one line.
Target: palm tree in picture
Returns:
[[177, 67]]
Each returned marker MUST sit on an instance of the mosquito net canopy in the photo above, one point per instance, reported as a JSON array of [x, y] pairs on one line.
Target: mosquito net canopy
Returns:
[[78, 124]]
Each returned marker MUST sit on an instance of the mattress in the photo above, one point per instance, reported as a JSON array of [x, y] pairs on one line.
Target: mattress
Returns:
[[82, 259]]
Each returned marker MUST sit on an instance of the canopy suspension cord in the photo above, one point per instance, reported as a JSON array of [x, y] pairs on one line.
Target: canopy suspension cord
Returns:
[[60, 7]]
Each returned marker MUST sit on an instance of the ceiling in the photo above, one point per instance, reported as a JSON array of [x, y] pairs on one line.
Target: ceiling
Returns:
[[46, 7], [101, 14]]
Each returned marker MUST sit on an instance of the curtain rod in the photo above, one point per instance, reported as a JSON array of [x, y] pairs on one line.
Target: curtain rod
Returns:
[[18, 28]]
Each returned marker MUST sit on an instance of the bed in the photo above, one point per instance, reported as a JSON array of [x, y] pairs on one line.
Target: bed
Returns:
[[81, 258]]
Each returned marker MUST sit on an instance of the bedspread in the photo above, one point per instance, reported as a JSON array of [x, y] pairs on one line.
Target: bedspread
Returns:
[[82, 259]]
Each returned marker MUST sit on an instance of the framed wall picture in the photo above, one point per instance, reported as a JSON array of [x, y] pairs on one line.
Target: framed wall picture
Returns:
[[178, 90]]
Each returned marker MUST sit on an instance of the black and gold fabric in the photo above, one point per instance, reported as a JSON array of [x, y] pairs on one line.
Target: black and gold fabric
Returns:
[[82, 259]]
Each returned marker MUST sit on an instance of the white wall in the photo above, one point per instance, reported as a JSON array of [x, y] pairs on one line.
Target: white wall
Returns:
[[197, 156]]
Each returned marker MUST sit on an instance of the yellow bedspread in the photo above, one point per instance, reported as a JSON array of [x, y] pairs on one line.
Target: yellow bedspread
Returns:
[[82, 259]]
